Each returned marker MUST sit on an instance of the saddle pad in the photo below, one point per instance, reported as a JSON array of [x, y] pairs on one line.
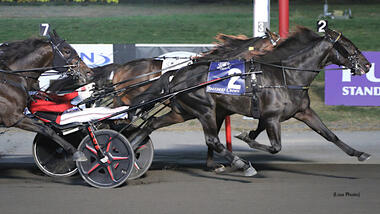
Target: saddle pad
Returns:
[[89, 114], [232, 86]]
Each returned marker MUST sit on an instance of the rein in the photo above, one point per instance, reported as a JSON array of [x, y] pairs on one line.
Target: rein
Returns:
[[36, 70], [39, 70], [147, 74]]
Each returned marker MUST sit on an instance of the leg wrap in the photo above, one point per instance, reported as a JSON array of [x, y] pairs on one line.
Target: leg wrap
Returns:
[[238, 163]]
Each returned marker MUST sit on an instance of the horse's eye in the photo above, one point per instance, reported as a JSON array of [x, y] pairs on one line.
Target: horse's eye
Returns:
[[67, 51]]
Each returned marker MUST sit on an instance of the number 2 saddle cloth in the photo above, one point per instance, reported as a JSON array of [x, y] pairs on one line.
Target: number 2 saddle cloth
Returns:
[[244, 85]]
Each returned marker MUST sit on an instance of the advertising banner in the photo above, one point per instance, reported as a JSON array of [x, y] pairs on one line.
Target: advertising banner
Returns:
[[95, 55], [232, 86], [341, 88]]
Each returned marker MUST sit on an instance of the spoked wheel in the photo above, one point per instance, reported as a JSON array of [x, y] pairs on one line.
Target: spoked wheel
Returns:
[[51, 158], [143, 159], [112, 170]]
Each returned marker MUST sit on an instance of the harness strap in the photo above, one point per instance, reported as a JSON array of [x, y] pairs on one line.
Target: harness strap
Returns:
[[17, 122], [253, 85], [292, 87]]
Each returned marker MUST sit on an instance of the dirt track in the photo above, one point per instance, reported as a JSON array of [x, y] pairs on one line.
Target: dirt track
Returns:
[[279, 188], [298, 180]]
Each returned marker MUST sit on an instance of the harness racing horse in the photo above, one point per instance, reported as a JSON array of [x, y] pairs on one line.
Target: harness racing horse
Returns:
[[31, 56], [229, 47], [287, 73]]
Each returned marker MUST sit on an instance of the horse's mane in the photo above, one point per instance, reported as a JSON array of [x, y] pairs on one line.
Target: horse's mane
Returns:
[[11, 51], [299, 39], [228, 46]]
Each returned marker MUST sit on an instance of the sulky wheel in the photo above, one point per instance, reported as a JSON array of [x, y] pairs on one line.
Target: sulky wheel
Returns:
[[112, 170], [143, 159], [51, 158]]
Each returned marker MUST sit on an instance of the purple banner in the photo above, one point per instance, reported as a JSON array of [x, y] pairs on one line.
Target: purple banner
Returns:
[[341, 88]]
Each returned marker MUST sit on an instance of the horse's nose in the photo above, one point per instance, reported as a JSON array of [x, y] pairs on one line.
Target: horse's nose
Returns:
[[368, 65]]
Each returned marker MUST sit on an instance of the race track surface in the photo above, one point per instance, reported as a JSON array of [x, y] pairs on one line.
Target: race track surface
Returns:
[[279, 188], [310, 175]]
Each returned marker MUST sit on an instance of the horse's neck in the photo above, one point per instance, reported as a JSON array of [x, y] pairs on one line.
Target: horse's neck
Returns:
[[313, 58], [39, 58]]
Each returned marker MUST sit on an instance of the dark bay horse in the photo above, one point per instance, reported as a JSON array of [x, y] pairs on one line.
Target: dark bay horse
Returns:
[[229, 47], [287, 73], [14, 87], [130, 70]]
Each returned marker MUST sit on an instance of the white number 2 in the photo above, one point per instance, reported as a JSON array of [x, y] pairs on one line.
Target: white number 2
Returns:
[[231, 83], [322, 25]]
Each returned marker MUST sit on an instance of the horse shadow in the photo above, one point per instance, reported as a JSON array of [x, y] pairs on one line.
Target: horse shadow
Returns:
[[191, 160]]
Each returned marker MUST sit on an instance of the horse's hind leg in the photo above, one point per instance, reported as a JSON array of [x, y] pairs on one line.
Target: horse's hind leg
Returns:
[[33, 126], [310, 118], [210, 163]]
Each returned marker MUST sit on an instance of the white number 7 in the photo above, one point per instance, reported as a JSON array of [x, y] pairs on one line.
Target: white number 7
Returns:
[[44, 29]]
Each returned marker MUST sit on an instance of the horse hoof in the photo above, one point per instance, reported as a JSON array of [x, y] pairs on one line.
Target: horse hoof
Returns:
[[244, 136], [220, 169], [364, 157], [79, 156], [250, 171]]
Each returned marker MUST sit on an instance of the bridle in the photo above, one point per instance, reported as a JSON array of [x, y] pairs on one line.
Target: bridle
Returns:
[[352, 58], [62, 63], [274, 42]]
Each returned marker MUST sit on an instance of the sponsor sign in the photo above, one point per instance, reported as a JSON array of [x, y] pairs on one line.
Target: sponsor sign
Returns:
[[341, 88], [232, 86], [95, 55], [176, 60]]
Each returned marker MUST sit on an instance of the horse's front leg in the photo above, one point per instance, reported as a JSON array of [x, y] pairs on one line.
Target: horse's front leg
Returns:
[[250, 137], [273, 128], [310, 118]]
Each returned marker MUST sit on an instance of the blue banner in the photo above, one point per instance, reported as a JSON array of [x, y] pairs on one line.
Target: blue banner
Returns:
[[232, 86]]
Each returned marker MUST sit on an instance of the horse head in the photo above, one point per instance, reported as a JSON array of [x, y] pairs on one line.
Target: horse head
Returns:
[[65, 55], [345, 53]]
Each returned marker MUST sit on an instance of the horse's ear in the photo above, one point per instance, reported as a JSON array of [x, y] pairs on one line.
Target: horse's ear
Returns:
[[329, 32], [50, 35], [271, 34], [268, 33], [55, 33]]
